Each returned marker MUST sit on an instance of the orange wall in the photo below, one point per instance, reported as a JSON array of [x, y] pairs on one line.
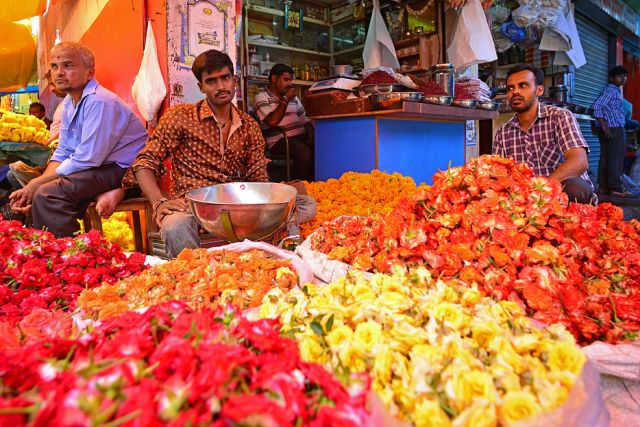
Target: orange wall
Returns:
[[116, 38], [632, 88]]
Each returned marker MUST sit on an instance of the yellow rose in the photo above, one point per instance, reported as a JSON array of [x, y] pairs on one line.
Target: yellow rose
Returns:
[[368, 334], [481, 414], [394, 301], [462, 389], [312, 351], [471, 297], [353, 358], [363, 292], [404, 336], [518, 405], [428, 413], [382, 365], [425, 352], [505, 379], [565, 356], [339, 336], [527, 343], [451, 315], [403, 395], [484, 330], [506, 355], [552, 396]]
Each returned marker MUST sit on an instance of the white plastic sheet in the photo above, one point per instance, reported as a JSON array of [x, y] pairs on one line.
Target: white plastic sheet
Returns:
[[472, 42], [378, 47], [149, 89]]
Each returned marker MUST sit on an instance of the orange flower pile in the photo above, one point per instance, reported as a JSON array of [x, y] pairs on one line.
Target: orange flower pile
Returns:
[[199, 277], [357, 194]]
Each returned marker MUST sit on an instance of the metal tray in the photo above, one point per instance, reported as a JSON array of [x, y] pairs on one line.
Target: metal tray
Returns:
[[394, 99], [466, 103], [365, 90], [438, 99], [488, 105]]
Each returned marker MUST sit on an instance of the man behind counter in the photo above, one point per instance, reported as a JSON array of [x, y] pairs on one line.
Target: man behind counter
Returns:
[[277, 106], [210, 142], [545, 137]]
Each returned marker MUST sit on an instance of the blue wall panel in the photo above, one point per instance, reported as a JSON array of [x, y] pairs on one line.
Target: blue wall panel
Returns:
[[419, 148]]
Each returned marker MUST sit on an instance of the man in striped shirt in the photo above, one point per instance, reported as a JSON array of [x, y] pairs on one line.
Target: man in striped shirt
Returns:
[[609, 114], [278, 107], [547, 138]]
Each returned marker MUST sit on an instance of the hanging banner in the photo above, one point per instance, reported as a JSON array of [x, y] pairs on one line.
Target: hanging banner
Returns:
[[193, 27], [621, 12]]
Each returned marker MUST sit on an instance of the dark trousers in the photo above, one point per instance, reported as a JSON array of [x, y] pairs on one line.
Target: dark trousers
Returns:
[[611, 159], [301, 152], [578, 190], [59, 203]]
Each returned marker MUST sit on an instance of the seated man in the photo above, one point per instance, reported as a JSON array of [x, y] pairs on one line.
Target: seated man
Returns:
[[278, 106], [547, 138], [99, 139], [209, 142]]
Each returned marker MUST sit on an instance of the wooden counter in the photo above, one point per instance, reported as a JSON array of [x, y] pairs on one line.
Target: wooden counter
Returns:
[[415, 140]]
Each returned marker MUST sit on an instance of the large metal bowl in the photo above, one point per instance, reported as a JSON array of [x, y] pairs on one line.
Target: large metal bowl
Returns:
[[387, 101], [466, 103], [242, 210], [438, 99], [366, 90]]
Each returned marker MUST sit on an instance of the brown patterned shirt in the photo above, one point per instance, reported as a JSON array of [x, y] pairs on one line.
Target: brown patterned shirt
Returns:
[[192, 137]]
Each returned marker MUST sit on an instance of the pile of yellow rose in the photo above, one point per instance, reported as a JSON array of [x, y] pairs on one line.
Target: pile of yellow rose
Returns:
[[357, 194], [439, 353]]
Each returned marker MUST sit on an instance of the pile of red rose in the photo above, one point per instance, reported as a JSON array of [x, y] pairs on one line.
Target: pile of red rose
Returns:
[[493, 223], [38, 270], [170, 366]]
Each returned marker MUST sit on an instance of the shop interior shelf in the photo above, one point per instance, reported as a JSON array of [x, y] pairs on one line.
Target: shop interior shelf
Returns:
[[289, 48], [276, 12], [265, 80]]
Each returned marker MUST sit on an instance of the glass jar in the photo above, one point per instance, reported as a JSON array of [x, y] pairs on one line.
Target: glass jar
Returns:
[[444, 75]]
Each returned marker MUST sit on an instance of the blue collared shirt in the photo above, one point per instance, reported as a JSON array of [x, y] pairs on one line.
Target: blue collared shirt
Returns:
[[609, 106], [100, 129]]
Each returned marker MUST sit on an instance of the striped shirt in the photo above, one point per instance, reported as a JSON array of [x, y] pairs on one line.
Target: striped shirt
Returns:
[[553, 133], [293, 120], [609, 106]]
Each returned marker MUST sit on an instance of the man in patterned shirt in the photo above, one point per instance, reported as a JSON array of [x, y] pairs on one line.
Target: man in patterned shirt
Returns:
[[545, 137], [610, 121], [277, 106], [209, 142]]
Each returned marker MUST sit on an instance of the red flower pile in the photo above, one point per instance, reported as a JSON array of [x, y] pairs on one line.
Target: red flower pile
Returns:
[[39, 271], [491, 222], [172, 366]]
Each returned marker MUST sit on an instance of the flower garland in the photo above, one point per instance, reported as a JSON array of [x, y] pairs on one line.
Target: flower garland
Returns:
[[170, 366], [439, 352], [493, 223], [199, 277], [39, 271]]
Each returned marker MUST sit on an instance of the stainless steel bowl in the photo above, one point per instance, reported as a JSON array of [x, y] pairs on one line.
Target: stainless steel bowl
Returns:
[[438, 99], [466, 103], [242, 210], [394, 99], [365, 90], [488, 105]]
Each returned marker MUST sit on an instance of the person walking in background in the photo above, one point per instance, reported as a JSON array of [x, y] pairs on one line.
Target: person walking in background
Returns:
[[610, 129]]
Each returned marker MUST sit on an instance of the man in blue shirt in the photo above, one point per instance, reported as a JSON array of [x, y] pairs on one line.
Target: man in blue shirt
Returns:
[[610, 121], [99, 139]]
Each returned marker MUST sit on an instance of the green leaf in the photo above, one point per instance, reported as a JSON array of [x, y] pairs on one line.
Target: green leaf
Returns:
[[329, 323], [316, 327]]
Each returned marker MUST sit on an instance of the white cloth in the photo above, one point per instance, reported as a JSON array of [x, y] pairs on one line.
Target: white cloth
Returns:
[[149, 89], [378, 48], [56, 122], [562, 37]]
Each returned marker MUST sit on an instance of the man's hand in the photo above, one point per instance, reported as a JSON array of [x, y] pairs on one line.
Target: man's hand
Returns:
[[21, 200], [290, 94], [606, 131], [168, 208]]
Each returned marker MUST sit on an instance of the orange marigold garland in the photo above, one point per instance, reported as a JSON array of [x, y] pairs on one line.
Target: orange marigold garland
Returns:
[[199, 277], [357, 193]]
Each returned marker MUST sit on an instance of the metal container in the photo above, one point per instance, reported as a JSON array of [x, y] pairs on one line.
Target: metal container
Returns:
[[387, 101], [366, 90], [444, 75], [488, 105], [559, 93], [466, 103], [438, 99], [242, 210]]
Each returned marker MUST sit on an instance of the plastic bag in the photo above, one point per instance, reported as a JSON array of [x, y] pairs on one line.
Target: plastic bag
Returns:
[[302, 268], [17, 57], [471, 42], [149, 89]]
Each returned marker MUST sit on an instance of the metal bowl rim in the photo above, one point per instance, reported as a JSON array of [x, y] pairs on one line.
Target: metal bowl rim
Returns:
[[206, 202]]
